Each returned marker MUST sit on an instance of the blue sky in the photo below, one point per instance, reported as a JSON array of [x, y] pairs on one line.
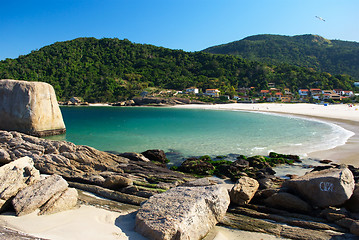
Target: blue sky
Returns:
[[191, 25]]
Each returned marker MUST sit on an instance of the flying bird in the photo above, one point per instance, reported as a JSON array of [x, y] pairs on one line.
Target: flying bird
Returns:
[[320, 18]]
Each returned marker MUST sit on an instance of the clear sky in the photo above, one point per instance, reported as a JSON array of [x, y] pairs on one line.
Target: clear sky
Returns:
[[191, 25]]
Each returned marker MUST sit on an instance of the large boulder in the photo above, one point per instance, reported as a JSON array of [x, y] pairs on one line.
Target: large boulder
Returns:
[[30, 107], [36, 195], [182, 212], [244, 190], [329, 187], [15, 176]]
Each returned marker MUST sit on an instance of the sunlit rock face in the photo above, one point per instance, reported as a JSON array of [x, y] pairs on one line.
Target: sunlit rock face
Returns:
[[30, 107]]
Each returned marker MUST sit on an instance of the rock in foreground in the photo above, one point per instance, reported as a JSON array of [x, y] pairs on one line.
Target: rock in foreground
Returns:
[[30, 107], [15, 176], [34, 196], [182, 212], [329, 187]]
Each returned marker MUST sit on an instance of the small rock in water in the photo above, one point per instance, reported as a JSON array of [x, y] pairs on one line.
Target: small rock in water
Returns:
[[155, 155], [325, 161]]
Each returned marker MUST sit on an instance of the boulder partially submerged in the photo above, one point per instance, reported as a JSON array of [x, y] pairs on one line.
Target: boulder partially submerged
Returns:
[[182, 212], [30, 107]]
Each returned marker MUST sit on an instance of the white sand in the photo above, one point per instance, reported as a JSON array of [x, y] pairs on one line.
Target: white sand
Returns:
[[99, 104], [86, 222], [341, 111]]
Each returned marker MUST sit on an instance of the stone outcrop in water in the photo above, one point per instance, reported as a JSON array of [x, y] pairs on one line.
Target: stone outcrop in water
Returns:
[[30, 107], [182, 212]]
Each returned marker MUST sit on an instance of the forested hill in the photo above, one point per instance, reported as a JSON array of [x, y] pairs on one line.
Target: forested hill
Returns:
[[333, 56], [112, 69]]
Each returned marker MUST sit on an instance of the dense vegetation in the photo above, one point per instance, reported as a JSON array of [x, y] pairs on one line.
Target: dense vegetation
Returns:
[[333, 56], [113, 69]]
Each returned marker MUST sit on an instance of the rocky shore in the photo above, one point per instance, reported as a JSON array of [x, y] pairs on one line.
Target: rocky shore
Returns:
[[187, 204]]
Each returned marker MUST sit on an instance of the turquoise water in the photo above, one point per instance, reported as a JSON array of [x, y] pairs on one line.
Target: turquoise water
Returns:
[[195, 132]]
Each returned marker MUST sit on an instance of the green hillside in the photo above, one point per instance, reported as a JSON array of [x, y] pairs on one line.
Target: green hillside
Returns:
[[112, 69], [333, 56]]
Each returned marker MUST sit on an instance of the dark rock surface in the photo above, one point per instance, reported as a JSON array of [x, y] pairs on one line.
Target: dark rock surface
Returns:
[[155, 155]]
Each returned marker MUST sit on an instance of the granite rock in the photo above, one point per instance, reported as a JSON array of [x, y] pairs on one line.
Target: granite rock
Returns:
[[4, 156], [328, 187], [288, 201], [182, 212], [353, 203], [155, 155], [36, 195], [85, 164], [117, 181], [243, 190], [30, 107], [61, 201], [15, 176]]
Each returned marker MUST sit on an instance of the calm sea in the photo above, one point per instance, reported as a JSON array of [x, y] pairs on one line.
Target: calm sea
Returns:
[[189, 132]]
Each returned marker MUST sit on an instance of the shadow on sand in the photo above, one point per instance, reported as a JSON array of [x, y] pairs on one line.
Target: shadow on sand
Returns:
[[127, 225]]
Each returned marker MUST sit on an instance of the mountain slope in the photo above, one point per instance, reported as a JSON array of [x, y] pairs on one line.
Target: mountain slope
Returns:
[[333, 56], [112, 69]]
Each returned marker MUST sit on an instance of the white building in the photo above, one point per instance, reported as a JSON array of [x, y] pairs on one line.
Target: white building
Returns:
[[212, 92], [347, 93], [192, 90]]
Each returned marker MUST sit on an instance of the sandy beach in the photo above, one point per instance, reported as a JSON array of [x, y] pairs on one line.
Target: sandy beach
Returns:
[[342, 115], [89, 222]]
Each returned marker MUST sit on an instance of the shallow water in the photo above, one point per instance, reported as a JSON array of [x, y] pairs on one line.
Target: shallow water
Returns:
[[193, 132]]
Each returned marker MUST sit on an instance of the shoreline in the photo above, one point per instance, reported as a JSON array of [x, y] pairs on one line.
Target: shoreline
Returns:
[[341, 115]]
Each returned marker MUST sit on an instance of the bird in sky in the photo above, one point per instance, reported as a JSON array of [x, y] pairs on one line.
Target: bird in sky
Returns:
[[320, 18]]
